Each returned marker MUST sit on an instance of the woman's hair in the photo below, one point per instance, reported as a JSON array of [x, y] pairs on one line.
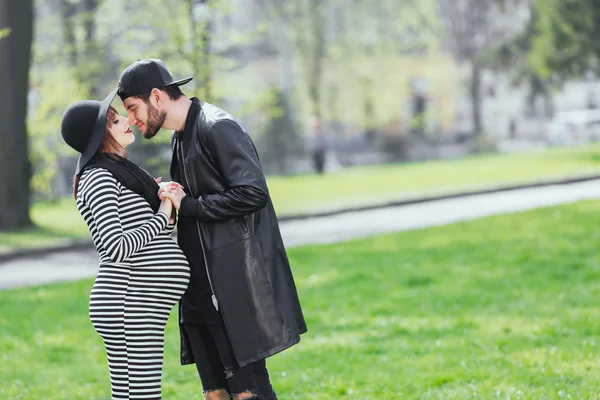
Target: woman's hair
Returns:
[[109, 146]]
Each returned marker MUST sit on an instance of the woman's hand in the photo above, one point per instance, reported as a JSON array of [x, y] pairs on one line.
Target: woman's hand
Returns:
[[173, 217], [171, 190], [166, 206]]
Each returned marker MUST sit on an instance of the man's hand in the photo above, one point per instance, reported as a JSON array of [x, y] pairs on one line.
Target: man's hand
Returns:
[[166, 185], [172, 191]]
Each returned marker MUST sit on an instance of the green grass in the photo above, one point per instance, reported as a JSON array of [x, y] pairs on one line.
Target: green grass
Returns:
[[376, 184], [356, 186], [501, 308], [55, 223]]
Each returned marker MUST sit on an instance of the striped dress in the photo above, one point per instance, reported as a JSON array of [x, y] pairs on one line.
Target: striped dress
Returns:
[[142, 275]]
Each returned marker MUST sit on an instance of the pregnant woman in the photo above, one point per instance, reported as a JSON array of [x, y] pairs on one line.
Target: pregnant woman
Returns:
[[143, 272]]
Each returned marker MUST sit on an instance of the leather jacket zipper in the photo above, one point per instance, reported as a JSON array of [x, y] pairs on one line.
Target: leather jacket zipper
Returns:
[[213, 297]]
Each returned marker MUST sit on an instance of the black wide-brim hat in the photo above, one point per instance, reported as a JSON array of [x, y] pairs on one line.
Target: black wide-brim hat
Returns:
[[83, 126], [144, 75]]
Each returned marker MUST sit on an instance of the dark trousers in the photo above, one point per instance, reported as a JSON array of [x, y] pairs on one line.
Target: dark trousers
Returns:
[[216, 363], [319, 161]]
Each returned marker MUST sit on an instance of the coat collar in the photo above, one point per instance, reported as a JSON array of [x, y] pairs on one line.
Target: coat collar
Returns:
[[190, 120], [180, 136]]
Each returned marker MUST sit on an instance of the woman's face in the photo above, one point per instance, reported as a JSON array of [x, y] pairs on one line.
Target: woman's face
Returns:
[[120, 131]]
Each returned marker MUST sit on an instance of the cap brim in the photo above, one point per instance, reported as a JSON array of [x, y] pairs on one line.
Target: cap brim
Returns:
[[182, 81], [97, 134]]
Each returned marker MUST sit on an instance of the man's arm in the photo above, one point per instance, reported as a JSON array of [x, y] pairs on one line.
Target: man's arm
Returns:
[[236, 159]]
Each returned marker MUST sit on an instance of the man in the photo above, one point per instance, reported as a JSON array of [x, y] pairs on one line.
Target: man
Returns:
[[241, 305]]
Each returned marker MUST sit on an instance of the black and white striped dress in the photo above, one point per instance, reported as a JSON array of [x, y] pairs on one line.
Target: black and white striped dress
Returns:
[[142, 275]]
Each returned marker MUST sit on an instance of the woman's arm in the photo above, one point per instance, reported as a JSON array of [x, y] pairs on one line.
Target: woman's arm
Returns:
[[101, 194]]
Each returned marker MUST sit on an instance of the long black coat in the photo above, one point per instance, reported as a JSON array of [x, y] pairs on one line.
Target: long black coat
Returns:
[[247, 264]]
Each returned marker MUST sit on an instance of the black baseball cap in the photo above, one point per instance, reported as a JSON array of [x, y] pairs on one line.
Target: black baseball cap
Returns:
[[144, 75]]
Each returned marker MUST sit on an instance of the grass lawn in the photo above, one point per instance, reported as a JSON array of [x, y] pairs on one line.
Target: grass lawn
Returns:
[[55, 223], [376, 184], [357, 186], [500, 308]]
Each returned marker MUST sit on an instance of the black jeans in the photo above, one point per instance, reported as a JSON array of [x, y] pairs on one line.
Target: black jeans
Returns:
[[216, 363]]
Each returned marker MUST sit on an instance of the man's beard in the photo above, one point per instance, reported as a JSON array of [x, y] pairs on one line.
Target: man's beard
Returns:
[[156, 119]]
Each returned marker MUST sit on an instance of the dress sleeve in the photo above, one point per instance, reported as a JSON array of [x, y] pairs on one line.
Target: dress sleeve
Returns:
[[169, 228], [101, 193]]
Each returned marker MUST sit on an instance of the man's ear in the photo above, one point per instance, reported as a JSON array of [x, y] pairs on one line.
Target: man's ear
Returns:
[[156, 98]]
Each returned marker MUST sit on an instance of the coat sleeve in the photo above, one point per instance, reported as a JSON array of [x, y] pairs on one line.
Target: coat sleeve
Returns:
[[246, 187], [101, 194]]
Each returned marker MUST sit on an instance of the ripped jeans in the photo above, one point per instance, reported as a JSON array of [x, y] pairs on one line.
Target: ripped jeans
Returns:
[[216, 363]]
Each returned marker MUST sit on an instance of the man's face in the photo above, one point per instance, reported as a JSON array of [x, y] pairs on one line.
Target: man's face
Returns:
[[145, 116]]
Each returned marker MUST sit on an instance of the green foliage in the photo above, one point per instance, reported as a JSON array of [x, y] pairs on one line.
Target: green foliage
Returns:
[[554, 38], [359, 78], [57, 82], [81, 56], [4, 33], [499, 308], [372, 36], [561, 41], [329, 36], [91, 46], [54, 90], [280, 139], [184, 41]]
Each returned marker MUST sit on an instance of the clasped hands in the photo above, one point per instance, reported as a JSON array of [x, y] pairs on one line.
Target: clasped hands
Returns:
[[172, 191]]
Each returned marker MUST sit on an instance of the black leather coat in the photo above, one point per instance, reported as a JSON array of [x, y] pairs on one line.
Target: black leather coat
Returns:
[[246, 261]]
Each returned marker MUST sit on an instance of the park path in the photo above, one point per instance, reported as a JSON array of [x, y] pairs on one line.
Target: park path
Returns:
[[78, 264]]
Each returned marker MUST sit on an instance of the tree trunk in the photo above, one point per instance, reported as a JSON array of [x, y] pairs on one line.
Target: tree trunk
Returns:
[[201, 44], [368, 107], [476, 99], [15, 59], [92, 71], [206, 67], [315, 62], [67, 14]]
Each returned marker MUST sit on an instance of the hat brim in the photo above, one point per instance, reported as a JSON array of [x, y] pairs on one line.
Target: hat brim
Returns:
[[181, 81], [97, 133]]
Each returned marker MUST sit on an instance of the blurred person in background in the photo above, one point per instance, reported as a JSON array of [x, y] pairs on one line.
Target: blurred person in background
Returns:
[[241, 305], [317, 144], [143, 273], [512, 128]]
